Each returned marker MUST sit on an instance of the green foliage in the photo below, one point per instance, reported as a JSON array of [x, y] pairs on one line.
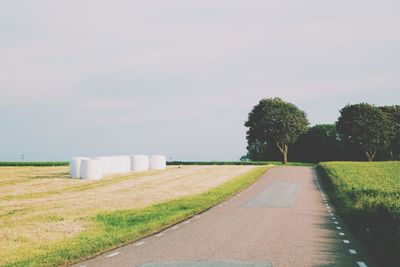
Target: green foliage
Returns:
[[319, 143], [368, 196], [112, 229], [393, 113], [366, 126], [37, 163], [274, 121]]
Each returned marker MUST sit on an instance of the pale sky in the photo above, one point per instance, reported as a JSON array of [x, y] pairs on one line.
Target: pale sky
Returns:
[[180, 77]]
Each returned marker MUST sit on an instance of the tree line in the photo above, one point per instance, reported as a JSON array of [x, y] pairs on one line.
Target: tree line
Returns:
[[362, 132]]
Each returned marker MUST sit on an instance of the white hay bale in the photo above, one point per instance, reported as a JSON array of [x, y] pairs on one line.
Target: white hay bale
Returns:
[[158, 162], [105, 164], [125, 164], [75, 166], [91, 169], [140, 163]]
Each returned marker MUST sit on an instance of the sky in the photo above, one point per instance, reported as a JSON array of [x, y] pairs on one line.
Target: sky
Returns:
[[88, 78]]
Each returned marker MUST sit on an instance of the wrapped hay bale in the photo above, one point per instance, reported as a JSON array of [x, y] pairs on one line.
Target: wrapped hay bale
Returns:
[[158, 162], [125, 164], [140, 163], [75, 166], [91, 169]]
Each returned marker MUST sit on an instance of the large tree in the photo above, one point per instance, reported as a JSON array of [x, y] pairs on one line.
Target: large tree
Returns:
[[393, 113], [274, 121], [365, 126]]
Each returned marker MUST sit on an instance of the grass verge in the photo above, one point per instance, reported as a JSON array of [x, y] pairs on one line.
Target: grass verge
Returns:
[[367, 195], [112, 229]]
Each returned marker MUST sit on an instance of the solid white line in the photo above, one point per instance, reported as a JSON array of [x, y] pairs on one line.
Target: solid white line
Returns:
[[346, 241], [139, 244], [342, 234], [113, 254], [352, 251], [361, 264]]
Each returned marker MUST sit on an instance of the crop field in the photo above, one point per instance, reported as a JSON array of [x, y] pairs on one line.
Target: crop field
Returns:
[[368, 195], [48, 219]]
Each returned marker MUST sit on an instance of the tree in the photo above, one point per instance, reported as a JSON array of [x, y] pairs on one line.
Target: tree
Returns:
[[393, 112], [319, 143], [365, 126], [275, 121]]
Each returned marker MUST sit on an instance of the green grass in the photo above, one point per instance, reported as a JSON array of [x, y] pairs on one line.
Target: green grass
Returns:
[[367, 195], [113, 229]]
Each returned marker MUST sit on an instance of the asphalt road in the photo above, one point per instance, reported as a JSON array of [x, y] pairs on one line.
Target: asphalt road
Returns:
[[282, 220]]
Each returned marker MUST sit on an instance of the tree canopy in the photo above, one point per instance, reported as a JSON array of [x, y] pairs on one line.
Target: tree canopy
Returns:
[[366, 126], [274, 121]]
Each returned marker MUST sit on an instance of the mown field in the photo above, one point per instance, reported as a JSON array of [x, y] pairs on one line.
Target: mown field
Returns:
[[47, 219], [368, 197]]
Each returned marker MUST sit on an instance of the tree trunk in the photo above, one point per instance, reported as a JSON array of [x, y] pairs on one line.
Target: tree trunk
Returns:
[[284, 150], [370, 156]]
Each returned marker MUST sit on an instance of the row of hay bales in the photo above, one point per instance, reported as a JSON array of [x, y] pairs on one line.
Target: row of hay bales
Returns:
[[97, 167]]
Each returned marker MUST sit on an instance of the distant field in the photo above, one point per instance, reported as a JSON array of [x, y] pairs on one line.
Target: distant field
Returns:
[[43, 212], [171, 163], [368, 195]]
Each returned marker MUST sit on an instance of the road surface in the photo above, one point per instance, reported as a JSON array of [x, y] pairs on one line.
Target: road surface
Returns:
[[284, 219]]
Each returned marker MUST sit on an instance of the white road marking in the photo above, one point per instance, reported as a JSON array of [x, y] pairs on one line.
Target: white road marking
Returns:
[[139, 244], [338, 227], [113, 254], [342, 234], [335, 222], [361, 264], [333, 218], [346, 241], [159, 234], [352, 251]]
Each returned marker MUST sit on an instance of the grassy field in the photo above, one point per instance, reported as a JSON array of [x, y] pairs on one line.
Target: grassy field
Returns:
[[368, 196], [47, 219]]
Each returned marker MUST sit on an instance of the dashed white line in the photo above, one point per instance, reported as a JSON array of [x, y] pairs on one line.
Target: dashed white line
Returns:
[[352, 251], [113, 254], [346, 241], [335, 222], [342, 234], [338, 227], [361, 264], [139, 243], [333, 218]]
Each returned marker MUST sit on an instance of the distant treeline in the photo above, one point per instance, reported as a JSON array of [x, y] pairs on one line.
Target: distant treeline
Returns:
[[320, 143], [34, 163]]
